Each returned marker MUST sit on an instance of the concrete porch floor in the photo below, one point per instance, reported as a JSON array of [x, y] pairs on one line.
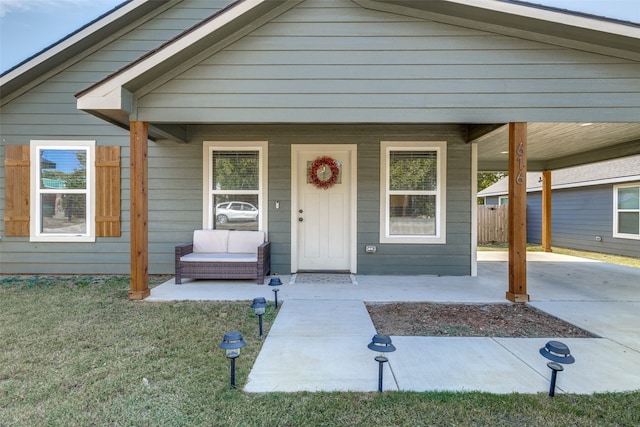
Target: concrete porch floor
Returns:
[[599, 297]]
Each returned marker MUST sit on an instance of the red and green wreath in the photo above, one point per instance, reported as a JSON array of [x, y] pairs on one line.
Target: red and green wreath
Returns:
[[318, 173]]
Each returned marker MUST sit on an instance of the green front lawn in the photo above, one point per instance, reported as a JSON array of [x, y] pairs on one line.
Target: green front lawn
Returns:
[[76, 352]]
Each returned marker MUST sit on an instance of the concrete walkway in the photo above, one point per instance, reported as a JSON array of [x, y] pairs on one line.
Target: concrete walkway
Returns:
[[319, 339]]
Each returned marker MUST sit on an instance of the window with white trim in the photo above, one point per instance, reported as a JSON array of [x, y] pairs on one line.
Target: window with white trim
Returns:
[[413, 192], [62, 191], [626, 211], [235, 180]]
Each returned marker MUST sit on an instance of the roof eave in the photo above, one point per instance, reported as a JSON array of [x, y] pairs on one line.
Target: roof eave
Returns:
[[606, 36], [81, 42], [221, 26]]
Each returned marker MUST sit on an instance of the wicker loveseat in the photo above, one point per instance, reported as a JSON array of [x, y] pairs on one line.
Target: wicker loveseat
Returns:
[[224, 254]]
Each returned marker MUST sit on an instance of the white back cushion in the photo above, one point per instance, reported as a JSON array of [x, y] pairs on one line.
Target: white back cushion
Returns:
[[210, 241], [245, 242]]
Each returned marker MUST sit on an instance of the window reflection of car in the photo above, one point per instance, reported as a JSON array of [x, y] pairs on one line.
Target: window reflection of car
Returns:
[[235, 211]]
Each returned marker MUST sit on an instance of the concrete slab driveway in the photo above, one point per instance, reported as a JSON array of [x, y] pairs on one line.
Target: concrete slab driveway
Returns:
[[319, 339]]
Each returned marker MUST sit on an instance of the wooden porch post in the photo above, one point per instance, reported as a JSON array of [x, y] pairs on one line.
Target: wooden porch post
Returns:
[[546, 211], [517, 213], [139, 288]]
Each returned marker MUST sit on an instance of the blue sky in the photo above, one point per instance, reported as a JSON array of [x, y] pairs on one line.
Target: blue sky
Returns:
[[28, 26], [65, 160]]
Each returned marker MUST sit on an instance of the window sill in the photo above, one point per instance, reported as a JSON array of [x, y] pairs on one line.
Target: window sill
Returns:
[[627, 236], [63, 239], [414, 240]]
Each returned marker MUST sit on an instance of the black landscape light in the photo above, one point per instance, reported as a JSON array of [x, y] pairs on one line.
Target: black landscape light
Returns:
[[382, 344], [275, 282], [558, 353], [259, 306], [231, 343]]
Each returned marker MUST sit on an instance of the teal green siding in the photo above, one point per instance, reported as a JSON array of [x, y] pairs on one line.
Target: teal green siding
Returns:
[[452, 258], [324, 61], [335, 62], [49, 111]]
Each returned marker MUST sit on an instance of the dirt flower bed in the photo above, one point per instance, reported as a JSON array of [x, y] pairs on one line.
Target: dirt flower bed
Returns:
[[469, 320]]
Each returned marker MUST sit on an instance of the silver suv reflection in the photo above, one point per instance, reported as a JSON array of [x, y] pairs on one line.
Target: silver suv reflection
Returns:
[[235, 211]]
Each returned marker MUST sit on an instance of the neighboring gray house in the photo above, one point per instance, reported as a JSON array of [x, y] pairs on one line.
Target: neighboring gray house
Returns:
[[595, 207], [241, 101]]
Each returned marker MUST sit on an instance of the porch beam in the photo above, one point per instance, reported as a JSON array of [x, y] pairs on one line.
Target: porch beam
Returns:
[[477, 133], [502, 165], [624, 149], [517, 213], [546, 211], [139, 288], [173, 133]]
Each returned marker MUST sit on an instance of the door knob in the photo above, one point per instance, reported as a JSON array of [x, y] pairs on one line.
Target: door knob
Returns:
[[300, 210], [300, 219]]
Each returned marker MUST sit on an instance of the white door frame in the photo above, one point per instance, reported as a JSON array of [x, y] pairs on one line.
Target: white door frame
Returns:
[[295, 150]]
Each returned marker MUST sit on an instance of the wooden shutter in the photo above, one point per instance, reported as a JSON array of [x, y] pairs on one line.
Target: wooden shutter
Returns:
[[17, 191], [107, 191]]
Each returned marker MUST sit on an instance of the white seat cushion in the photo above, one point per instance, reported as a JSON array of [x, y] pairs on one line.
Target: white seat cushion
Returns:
[[210, 241], [211, 257], [245, 242]]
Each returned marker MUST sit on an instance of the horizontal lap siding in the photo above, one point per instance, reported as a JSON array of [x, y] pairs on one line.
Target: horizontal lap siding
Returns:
[[175, 201], [450, 259], [49, 112], [336, 62], [280, 189], [578, 216], [534, 218], [581, 214]]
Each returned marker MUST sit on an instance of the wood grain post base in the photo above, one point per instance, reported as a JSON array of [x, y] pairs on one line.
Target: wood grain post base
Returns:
[[138, 295], [517, 297]]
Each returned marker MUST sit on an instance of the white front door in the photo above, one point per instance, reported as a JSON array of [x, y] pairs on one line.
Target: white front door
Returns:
[[324, 208]]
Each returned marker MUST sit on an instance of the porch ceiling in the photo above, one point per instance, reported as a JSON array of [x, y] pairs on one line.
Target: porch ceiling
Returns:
[[554, 146], [550, 146]]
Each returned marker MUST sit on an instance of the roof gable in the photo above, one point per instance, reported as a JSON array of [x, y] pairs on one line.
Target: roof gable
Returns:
[[324, 60], [114, 97], [81, 43]]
